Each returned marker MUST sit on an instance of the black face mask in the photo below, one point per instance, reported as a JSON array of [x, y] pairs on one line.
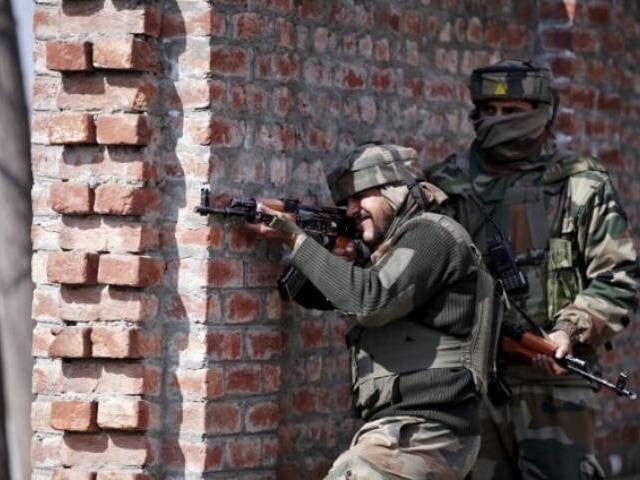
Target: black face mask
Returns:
[[514, 136]]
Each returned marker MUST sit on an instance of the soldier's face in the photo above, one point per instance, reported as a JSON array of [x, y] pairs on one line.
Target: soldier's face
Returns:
[[373, 214], [492, 108]]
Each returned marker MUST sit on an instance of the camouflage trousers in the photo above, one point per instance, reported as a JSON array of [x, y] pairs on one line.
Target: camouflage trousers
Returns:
[[544, 432], [405, 448]]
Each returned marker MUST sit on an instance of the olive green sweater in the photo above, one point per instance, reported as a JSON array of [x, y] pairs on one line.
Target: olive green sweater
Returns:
[[428, 276]]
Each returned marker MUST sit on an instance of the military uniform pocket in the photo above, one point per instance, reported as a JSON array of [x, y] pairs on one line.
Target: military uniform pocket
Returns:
[[563, 280], [375, 393]]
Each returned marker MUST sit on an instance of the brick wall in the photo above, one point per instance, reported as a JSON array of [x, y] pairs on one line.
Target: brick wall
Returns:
[[161, 346]]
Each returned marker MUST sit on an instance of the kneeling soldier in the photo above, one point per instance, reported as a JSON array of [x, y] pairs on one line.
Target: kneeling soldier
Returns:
[[423, 310]]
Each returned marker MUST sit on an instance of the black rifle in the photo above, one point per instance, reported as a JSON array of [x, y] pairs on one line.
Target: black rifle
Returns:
[[328, 225]]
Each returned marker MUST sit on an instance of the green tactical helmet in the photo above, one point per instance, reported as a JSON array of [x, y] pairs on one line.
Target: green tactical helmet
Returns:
[[373, 165], [512, 80]]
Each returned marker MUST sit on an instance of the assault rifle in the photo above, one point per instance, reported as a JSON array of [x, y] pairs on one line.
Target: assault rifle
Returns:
[[525, 345], [330, 226]]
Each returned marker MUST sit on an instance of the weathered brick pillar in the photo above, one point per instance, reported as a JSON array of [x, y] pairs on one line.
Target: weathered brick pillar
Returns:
[[98, 266]]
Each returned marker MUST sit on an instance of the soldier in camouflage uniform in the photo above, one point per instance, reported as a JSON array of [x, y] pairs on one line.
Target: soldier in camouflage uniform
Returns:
[[570, 235], [419, 350]]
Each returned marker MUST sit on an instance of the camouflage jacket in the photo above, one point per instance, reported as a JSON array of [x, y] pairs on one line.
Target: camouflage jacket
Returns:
[[570, 236]]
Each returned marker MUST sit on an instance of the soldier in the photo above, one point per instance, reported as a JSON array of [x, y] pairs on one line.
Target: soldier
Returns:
[[419, 348], [562, 216]]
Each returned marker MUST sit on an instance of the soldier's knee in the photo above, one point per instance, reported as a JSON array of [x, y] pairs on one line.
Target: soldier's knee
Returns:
[[357, 469]]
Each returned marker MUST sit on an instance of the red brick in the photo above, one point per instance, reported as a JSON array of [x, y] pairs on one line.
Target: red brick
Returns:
[[611, 158], [83, 18], [564, 66], [584, 97], [382, 80], [47, 378], [77, 268], [224, 272], [262, 417], [123, 414], [613, 42], [599, 13], [121, 475], [41, 340], [264, 345], [568, 123], [585, 40], [250, 26], [248, 98], [119, 378], [596, 127], [74, 416], [553, 10], [222, 418], [224, 345], [304, 400], [493, 35], [313, 334], [73, 473], [44, 305], [192, 23], [197, 384], [86, 233], [242, 307], [69, 56], [114, 342], [228, 133], [557, 38], [271, 377], [118, 448], [45, 451], [516, 37], [243, 379], [130, 270], [70, 198], [113, 92], [351, 77], [126, 200], [242, 453], [105, 164], [123, 304], [195, 457], [125, 54], [263, 274], [71, 128], [612, 103], [285, 33], [229, 61], [123, 129]]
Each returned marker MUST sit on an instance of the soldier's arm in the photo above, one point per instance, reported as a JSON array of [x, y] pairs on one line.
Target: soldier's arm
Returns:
[[608, 299], [424, 259]]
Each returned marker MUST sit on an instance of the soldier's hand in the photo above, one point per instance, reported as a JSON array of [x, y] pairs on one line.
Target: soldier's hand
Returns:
[[563, 348], [348, 251], [272, 233]]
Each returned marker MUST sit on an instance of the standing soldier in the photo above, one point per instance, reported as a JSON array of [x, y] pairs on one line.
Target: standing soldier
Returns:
[[422, 307], [577, 274]]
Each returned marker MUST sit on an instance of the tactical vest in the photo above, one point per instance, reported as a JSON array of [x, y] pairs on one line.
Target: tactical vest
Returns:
[[552, 262], [379, 356]]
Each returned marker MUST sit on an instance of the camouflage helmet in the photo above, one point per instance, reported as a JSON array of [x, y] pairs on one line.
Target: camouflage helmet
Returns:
[[373, 165], [512, 80]]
